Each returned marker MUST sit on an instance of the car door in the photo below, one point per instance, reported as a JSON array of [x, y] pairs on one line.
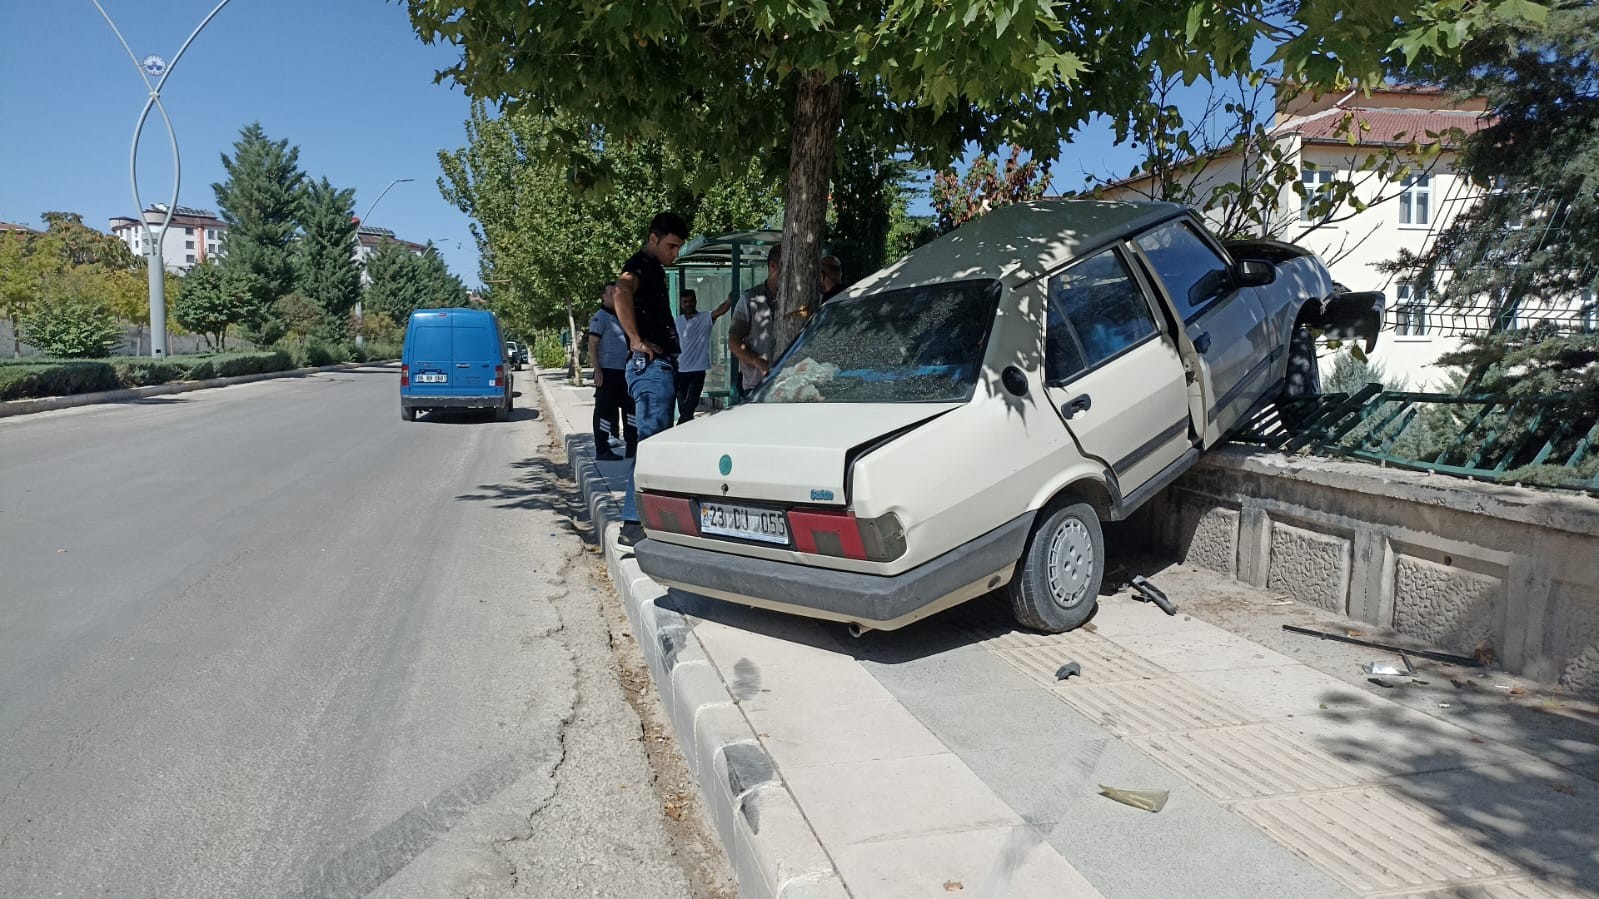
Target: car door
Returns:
[[1225, 325], [1112, 371]]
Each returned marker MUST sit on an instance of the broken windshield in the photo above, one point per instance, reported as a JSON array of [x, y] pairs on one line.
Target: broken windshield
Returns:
[[912, 345]]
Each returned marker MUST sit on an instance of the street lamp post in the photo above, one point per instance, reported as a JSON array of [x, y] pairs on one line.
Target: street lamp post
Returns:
[[156, 67], [360, 339]]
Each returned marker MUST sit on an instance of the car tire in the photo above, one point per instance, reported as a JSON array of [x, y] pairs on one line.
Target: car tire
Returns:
[[502, 412], [408, 413], [1303, 378], [1056, 587]]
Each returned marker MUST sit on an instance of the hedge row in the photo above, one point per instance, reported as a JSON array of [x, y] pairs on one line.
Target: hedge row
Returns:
[[36, 377]]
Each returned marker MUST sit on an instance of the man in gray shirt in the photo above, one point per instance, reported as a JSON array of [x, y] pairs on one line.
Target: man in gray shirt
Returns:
[[752, 335]]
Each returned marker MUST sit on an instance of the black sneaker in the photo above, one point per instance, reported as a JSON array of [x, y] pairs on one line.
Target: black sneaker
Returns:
[[606, 456], [632, 534]]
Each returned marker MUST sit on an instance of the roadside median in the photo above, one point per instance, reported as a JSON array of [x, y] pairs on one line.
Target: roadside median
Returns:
[[49, 403]]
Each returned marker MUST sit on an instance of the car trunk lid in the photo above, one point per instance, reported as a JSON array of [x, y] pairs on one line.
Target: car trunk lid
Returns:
[[792, 453]]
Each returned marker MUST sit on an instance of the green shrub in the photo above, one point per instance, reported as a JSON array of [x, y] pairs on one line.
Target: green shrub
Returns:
[[383, 351], [58, 379], [547, 349], [315, 353], [140, 371], [72, 329]]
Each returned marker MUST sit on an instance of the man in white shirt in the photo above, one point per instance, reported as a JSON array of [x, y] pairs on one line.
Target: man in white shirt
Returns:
[[694, 334]]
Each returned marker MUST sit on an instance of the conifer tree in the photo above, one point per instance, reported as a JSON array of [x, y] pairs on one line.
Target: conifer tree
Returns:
[[325, 259], [261, 201]]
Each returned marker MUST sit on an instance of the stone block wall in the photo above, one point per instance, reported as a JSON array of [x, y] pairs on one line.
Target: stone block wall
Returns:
[[1462, 566]]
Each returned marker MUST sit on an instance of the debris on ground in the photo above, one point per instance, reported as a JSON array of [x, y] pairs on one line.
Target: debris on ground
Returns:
[[1067, 670], [1432, 654], [1148, 800], [951, 886], [1144, 591]]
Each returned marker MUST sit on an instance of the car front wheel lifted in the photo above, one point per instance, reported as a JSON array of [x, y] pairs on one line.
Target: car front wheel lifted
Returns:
[[1056, 587]]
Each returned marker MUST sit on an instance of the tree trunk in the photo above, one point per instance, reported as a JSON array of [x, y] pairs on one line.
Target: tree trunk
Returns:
[[818, 110], [577, 357]]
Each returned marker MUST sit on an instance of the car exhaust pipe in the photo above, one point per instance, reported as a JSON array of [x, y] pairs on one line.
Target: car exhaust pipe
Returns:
[[855, 630]]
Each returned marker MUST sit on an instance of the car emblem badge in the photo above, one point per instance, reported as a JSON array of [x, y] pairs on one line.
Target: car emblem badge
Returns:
[[725, 466]]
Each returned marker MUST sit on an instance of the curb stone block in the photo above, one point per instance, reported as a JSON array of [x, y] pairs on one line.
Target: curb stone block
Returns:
[[776, 843], [715, 727], [823, 887], [695, 685]]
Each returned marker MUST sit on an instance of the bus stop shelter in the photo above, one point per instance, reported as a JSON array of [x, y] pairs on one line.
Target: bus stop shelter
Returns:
[[716, 268]]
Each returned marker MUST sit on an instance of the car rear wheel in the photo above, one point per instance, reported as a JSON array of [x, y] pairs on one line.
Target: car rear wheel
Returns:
[[1304, 374], [1056, 587], [408, 413], [502, 412]]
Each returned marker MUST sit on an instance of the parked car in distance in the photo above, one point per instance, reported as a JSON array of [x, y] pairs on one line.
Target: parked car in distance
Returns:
[[516, 353], [965, 419], [454, 359]]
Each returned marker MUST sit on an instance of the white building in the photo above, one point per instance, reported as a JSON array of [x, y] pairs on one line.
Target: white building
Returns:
[[1334, 139], [368, 240], [195, 235]]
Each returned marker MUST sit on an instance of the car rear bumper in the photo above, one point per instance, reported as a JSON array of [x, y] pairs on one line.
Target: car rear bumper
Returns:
[[880, 602], [488, 401]]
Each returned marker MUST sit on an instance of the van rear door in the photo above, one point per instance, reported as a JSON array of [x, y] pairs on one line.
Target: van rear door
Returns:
[[476, 350], [432, 356]]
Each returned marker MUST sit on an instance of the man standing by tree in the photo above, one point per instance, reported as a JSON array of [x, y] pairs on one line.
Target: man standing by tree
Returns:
[[645, 310], [694, 330], [753, 334]]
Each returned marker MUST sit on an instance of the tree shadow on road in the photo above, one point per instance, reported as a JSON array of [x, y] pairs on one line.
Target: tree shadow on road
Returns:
[[543, 484]]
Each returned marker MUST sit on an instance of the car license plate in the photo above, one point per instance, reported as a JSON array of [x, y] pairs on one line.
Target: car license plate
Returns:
[[432, 379], [765, 525]]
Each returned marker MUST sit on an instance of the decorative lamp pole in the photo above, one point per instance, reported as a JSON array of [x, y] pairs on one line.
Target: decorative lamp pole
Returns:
[[155, 67]]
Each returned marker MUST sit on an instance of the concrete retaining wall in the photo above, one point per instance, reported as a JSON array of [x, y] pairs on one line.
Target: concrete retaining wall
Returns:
[[1457, 564]]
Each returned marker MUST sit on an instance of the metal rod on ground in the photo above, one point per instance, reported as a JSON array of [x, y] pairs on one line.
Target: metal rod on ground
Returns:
[[1446, 657]]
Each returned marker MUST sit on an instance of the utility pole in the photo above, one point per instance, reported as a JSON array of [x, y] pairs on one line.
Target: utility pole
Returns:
[[155, 67]]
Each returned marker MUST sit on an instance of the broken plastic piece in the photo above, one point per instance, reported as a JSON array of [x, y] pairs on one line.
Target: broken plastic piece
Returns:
[[1148, 800], [1067, 670], [1144, 591]]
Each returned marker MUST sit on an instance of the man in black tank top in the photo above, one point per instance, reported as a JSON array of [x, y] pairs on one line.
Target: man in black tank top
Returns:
[[645, 309]]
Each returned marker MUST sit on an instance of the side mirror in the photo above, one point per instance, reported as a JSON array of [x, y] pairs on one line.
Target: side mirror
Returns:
[[1254, 273]]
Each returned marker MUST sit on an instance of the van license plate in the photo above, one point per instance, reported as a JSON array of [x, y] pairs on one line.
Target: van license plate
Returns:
[[764, 525], [432, 379]]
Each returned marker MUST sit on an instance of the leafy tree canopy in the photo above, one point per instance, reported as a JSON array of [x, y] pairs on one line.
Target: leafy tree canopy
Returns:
[[404, 281], [212, 299]]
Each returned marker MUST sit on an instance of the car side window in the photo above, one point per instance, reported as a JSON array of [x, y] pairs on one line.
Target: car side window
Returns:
[[1193, 273], [1096, 310]]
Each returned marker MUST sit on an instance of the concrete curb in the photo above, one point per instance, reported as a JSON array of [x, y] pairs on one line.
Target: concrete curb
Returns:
[[769, 842], [48, 403]]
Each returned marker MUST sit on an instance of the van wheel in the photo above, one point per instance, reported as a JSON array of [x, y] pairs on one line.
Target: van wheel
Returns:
[[502, 412], [408, 413], [1056, 587]]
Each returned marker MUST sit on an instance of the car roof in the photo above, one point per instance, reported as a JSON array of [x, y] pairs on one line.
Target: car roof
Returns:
[[1019, 242]]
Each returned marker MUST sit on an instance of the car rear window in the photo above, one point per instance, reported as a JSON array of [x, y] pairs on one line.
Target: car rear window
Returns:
[[915, 344]]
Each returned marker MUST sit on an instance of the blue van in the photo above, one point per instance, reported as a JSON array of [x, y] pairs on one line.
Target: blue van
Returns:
[[454, 359]]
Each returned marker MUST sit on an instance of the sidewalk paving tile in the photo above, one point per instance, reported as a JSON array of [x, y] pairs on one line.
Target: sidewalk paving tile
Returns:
[[1508, 888], [1372, 839], [1388, 739], [1283, 691], [1122, 616], [888, 799], [976, 721], [1144, 707], [852, 732], [1000, 861], [1192, 651], [1102, 662], [817, 684], [725, 641], [946, 674], [1250, 761]]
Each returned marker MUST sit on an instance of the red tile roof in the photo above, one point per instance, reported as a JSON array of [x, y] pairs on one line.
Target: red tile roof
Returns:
[[1385, 127], [8, 226]]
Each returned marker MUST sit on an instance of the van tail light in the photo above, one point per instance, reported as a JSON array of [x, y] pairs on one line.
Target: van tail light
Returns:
[[499, 376], [672, 514], [405, 375], [841, 534]]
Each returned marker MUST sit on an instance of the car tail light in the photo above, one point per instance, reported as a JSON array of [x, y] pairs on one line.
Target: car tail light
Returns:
[[841, 534], [499, 376], [673, 514], [405, 375]]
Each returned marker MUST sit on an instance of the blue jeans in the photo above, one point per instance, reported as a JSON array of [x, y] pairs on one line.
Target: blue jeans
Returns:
[[650, 382]]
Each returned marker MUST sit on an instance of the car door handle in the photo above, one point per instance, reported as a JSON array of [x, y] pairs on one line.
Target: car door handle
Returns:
[[1202, 342], [1080, 404]]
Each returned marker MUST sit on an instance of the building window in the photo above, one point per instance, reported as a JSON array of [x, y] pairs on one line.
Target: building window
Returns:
[[191, 257], [1415, 200], [1317, 182], [189, 231], [188, 245], [1411, 311]]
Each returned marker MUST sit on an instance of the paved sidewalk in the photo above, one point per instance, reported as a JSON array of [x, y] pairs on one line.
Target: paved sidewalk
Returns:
[[946, 759]]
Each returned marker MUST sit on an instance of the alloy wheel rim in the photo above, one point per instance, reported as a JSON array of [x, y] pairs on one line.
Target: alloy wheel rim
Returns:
[[1071, 562]]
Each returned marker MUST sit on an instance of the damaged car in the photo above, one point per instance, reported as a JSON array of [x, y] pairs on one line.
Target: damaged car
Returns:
[[965, 420]]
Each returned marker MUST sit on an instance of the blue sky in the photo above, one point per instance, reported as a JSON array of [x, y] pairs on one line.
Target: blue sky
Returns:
[[345, 80]]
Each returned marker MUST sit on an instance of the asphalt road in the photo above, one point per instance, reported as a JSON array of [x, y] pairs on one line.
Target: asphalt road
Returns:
[[271, 640]]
